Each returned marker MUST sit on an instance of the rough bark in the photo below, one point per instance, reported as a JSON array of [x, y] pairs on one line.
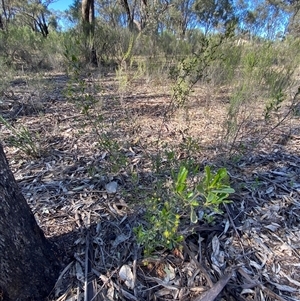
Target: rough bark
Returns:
[[28, 265], [88, 20]]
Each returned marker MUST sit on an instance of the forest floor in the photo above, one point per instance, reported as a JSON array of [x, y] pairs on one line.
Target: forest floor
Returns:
[[90, 175]]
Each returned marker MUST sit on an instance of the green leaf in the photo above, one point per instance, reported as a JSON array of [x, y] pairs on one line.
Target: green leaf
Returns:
[[207, 178], [181, 180], [216, 181], [190, 195], [74, 58], [211, 198], [200, 188], [194, 203], [193, 216], [222, 172], [226, 190]]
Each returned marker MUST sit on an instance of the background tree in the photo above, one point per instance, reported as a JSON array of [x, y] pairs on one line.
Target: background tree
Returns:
[[137, 13], [291, 11], [35, 15], [212, 14], [88, 22], [144, 13], [28, 264], [265, 18], [6, 14], [74, 12], [32, 13], [180, 17]]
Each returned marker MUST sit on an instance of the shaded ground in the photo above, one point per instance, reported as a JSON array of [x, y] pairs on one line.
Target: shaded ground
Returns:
[[90, 181]]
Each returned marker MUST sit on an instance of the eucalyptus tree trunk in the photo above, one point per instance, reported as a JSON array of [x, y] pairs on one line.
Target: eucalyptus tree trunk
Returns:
[[28, 264], [88, 22], [131, 8]]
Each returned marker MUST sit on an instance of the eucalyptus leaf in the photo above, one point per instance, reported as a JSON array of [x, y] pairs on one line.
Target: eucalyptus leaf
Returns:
[[193, 216], [181, 180], [226, 190]]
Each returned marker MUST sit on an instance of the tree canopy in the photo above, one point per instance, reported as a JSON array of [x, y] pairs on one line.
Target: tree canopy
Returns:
[[263, 17]]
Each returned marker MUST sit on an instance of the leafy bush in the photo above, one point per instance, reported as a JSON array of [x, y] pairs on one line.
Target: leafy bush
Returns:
[[224, 69], [27, 50], [265, 77], [164, 214]]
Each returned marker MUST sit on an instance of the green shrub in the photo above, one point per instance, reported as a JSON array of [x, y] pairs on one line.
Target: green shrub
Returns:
[[24, 49], [165, 213], [263, 77]]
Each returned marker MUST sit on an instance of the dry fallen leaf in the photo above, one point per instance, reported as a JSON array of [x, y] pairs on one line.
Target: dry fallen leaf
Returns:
[[126, 275], [111, 187]]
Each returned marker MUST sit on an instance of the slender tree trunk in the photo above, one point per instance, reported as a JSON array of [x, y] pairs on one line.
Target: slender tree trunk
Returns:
[[130, 16], [28, 264], [88, 21], [1, 23]]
